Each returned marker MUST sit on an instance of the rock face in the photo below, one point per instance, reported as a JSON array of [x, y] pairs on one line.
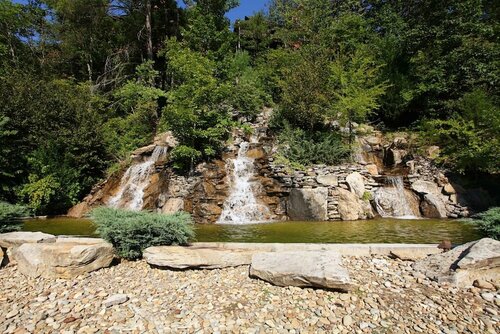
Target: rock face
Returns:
[[308, 204], [16, 239], [351, 207], [319, 269], [66, 258], [476, 260], [173, 205], [178, 257]]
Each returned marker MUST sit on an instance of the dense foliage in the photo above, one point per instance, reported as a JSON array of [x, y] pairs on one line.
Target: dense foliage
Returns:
[[488, 222], [10, 215], [84, 83], [131, 232]]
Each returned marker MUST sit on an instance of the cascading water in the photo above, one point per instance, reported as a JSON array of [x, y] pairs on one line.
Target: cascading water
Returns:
[[135, 180], [241, 206], [393, 201]]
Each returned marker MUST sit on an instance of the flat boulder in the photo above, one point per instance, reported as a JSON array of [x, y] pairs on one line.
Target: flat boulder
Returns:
[[66, 258], [178, 257], [16, 239], [317, 269], [461, 266]]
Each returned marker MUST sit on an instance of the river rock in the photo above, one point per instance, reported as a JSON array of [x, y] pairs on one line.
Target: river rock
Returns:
[[16, 239], [319, 269], [356, 183], [308, 204], [178, 257], [115, 300], [476, 260], [66, 258]]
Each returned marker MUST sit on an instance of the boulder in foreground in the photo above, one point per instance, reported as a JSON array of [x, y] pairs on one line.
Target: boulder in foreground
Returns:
[[461, 266], [178, 257], [66, 258], [317, 269], [16, 239]]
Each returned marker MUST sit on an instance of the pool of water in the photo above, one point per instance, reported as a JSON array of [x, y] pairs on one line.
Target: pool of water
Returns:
[[382, 230]]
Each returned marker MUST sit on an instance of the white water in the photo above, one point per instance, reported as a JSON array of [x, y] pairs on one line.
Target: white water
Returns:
[[135, 180], [241, 206], [391, 201]]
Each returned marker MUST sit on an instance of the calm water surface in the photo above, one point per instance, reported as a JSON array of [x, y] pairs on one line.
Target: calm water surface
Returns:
[[382, 230]]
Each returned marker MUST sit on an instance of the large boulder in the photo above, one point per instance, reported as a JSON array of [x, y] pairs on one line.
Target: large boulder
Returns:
[[318, 269], [461, 266], [16, 239], [351, 207], [356, 183], [432, 204], [65, 258], [178, 257], [308, 204]]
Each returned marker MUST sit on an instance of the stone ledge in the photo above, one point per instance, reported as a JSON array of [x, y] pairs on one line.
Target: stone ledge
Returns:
[[342, 249]]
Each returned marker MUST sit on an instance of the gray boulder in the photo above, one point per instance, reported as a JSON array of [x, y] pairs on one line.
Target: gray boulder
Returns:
[[308, 204], [66, 258], [178, 257], [319, 269], [461, 266], [356, 183]]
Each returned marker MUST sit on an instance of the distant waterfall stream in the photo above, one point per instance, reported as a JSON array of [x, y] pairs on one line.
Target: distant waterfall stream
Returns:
[[393, 200], [135, 180], [241, 206]]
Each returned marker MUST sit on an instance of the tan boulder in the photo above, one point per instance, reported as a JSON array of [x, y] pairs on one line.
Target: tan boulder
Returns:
[[79, 210], [178, 257], [66, 258], [352, 208], [328, 180], [372, 169], [356, 183], [16, 239]]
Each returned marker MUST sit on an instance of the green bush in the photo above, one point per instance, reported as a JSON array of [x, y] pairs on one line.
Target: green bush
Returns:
[[131, 232], [488, 222], [312, 147], [10, 215]]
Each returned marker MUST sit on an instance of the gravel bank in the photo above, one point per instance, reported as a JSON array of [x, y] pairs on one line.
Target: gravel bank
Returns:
[[388, 300]]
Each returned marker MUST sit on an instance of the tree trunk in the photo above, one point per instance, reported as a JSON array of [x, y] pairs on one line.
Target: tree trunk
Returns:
[[149, 43]]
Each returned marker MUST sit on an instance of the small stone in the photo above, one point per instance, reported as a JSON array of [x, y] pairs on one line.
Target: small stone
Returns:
[[364, 325], [115, 300], [12, 313], [488, 296], [347, 320], [452, 317], [482, 284], [491, 311]]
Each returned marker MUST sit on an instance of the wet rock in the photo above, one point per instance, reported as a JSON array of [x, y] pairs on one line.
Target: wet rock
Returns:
[[16, 239], [308, 204], [461, 266], [320, 269], [178, 257], [66, 258]]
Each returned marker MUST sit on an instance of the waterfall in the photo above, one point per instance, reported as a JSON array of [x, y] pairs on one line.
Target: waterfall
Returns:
[[135, 180], [241, 206], [393, 200]]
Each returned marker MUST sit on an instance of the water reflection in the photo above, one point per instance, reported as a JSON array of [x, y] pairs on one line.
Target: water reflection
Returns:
[[383, 230]]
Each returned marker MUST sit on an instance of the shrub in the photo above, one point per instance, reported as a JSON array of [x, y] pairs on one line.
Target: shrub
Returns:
[[315, 147], [10, 215], [488, 222], [131, 232]]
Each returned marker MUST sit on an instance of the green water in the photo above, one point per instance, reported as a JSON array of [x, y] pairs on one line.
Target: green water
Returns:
[[382, 230]]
